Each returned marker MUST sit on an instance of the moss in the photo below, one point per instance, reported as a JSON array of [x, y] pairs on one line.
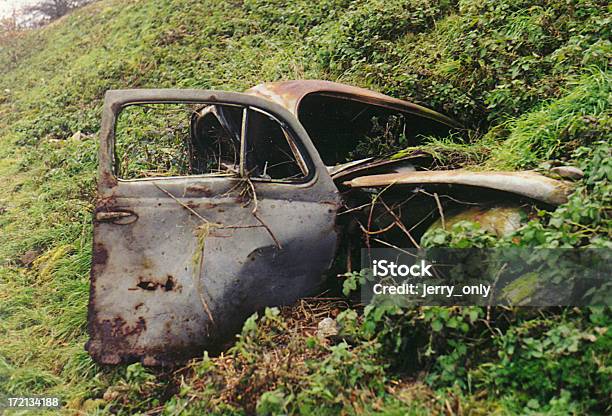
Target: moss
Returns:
[[521, 289]]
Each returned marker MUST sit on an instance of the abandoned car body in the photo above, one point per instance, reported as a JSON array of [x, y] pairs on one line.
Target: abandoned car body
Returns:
[[267, 198]]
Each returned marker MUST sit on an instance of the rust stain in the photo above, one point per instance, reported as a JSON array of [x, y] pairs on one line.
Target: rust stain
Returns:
[[200, 190], [168, 284], [115, 331], [99, 255], [105, 204], [107, 180]]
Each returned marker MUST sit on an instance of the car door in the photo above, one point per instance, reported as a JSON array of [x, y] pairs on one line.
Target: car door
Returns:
[[180, 262]]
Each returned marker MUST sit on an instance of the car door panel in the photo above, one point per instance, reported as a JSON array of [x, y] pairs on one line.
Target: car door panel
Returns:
[[179, 263]]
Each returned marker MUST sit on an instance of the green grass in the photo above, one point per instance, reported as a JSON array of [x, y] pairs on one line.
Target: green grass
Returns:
[[529, 80], [581, 116]]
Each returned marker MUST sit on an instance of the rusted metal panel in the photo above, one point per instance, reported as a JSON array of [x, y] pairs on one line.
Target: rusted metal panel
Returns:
[[288, 94], [179, 262], [527, 184]]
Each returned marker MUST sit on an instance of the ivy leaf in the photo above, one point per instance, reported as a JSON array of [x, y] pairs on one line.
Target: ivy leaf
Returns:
[[437, 325]]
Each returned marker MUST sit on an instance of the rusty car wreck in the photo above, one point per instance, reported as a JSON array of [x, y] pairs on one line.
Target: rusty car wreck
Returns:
[[277, 191]]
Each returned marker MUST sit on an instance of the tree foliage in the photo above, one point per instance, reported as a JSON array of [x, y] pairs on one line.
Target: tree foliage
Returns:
[[45, 11]]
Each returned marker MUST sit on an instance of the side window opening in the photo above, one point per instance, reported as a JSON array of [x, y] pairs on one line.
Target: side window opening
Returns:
[[270, 152], [151, 140], [161, 140], [168, 139], [344, 130], [215, 140]]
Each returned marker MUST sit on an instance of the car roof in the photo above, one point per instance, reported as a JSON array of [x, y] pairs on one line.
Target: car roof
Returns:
[[289, 94]]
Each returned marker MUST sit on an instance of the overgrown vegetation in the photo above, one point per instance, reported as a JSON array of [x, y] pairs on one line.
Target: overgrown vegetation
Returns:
[[531, 82]]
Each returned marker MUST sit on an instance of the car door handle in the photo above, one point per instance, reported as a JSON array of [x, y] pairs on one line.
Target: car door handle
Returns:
[[116, 217]]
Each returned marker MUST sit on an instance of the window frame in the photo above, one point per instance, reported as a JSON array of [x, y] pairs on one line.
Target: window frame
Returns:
[[301, 154]]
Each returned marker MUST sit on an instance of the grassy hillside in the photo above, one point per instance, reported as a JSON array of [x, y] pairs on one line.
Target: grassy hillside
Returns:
[[529, 79]]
